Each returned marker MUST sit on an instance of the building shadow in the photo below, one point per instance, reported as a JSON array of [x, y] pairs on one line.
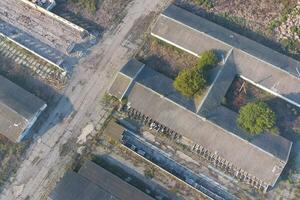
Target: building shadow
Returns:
[[92, 27], [137, 180], [161, 65], [82, 49], [48, 94], [288, 124]]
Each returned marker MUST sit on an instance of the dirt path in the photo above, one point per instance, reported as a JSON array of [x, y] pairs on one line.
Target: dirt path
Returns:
[[43, 165]]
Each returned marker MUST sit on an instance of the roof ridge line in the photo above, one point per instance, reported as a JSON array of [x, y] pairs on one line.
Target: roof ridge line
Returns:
[[207, 120], [214, 38]]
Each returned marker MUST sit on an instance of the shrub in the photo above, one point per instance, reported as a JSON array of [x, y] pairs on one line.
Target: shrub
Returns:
[[207, 60], [256, 117], [91, 5], [190, 82], [149, 173], [206, 3]]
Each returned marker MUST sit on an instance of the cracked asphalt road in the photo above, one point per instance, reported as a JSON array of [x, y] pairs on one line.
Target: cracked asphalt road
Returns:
[[43, 165]]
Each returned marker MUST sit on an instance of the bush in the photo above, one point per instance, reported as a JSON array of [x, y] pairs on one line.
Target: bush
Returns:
[[206, 3], [91, 5], [149, 173], [207, 60], [190, 82], [256, 117]]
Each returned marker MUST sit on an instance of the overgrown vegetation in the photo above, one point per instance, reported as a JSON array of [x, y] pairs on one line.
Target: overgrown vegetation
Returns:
[[10, 157], [149, 173], [191, 82], [206, 3], [91, 5], [109, 100], [288, 8], [256, 118], [207, 60], [289, 45]]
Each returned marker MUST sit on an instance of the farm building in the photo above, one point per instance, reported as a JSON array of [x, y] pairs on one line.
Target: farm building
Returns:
[[19, 110], [93, 182]]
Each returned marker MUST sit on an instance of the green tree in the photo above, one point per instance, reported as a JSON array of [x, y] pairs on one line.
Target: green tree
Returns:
[[256, 117], [190, 82], [207, 60]]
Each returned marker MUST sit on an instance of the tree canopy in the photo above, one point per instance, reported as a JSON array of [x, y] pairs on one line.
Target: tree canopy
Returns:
[[207, 60], [190, 82], [256, 117]]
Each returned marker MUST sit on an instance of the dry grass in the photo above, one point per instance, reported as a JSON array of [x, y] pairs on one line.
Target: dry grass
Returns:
[[108, 11], [10, 158], [165, 58]]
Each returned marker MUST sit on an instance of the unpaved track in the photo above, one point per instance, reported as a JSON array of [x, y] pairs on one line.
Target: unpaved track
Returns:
[[43, 165]]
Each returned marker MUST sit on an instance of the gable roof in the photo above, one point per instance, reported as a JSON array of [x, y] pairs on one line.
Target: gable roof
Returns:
[[111, 183], [75, 187], [263, 66], [93, 182], [17, 108], [124, 78], [263, 163], [211, 33]]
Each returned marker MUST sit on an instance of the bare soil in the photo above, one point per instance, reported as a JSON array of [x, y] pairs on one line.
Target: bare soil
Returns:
[[108, 11], [242, 92]]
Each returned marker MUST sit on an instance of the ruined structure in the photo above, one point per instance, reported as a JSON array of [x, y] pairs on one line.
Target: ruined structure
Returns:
[[94, 182], [19, 110], [153, 101], [209, 127], [38, 30]]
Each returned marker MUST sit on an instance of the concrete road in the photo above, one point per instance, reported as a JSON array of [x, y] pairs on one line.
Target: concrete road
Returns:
[[43, 165]]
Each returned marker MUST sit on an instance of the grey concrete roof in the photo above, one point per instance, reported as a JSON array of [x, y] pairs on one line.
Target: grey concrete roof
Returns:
[[272, 143], [92, 182], [119, 86], [275, 72], [17, 108], [265, 75], [111, 183], [225, 38], [132, 68], [75, 187], [239, 152], [164, 86], [113, 130], [124, 78], [218, 88]]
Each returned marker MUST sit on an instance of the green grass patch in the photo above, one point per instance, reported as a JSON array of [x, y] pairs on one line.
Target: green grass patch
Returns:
[[91, 5]]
